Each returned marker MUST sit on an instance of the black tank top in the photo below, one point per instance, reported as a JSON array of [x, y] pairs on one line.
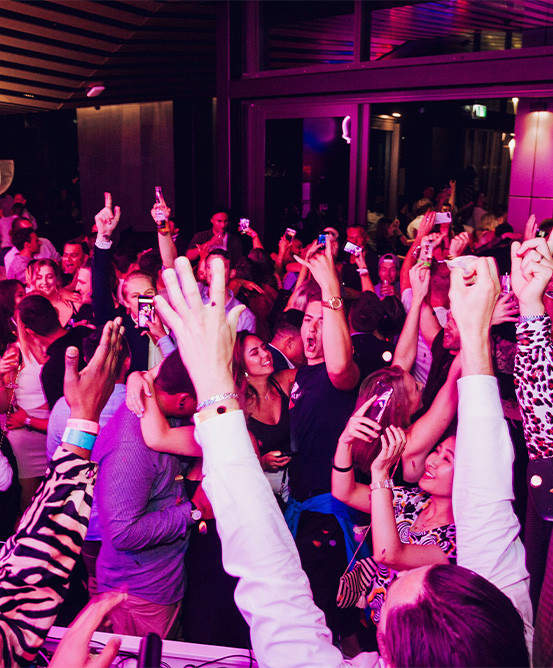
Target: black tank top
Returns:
[[273, 436]]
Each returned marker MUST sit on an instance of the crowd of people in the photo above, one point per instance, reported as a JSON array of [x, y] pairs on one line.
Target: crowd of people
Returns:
[[309, 452]]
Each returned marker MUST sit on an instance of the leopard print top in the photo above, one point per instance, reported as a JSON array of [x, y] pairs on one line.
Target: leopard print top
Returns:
[[534, 385]]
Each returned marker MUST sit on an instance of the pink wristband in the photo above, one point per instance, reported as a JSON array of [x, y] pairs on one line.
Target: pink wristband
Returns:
[[83, 425]]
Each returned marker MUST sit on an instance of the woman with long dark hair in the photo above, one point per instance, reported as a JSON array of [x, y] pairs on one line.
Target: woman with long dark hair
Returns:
[[264, 396]]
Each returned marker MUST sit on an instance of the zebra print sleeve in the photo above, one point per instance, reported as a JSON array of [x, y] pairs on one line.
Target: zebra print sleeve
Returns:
[[36, 561]]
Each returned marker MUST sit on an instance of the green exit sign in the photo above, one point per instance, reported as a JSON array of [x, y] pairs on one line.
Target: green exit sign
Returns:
[[479, 111]]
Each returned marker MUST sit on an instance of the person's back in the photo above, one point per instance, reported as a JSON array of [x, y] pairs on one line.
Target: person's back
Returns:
[[144, 514]]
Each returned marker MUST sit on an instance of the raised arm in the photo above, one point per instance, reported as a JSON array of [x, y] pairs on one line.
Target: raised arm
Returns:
[[287, 630], [406, 348], [167, 248], [344, 486], [157, 433], [51, 532], [102, 300], [430, 427], [532, 268], [427, 223], [387, 546], [337, 346], [487, 527]]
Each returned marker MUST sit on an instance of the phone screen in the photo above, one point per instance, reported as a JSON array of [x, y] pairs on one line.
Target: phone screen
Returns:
[[146, 310], [383, 393]]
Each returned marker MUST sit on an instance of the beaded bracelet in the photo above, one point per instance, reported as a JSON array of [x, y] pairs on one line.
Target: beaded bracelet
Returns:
[[531, 318]]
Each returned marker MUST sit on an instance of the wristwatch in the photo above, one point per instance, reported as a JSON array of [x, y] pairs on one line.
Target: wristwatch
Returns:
[[28, 423], [195, 513], [334, 303]]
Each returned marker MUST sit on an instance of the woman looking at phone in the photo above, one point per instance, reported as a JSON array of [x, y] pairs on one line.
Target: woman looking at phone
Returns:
[[410, 527], [265, 396]]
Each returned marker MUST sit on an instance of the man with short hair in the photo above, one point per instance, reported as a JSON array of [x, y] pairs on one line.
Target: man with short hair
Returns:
[[47, 250], [27, 244], [75, 254], [246, 321], [388, 274], [148, 345], [287, 345], [41, 323], [321, 402], [144, 513], [56, 427], [371, 351], [217, 237]]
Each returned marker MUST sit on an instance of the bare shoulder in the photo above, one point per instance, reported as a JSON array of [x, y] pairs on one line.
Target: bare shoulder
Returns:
[[286, 379]]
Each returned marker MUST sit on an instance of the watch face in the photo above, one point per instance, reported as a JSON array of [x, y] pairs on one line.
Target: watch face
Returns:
[[334, 303]]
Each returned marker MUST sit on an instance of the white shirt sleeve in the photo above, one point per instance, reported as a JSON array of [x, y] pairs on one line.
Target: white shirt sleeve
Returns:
[[273, 592], [487, 527]]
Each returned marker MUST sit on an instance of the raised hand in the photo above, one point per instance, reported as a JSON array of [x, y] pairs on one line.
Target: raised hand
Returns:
[[87, 391], [458, 244], [322, 268], [419, 275], [106, 220], [427, 223], [531, 228], [472, 297], [393, 442], [204, 336], [361, 427], [531, 271]]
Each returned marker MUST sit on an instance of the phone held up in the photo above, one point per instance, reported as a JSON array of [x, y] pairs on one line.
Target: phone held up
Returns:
[[162, 223], [352, 249], [243, 225], [146, 310], [290, 233], [383, 393]]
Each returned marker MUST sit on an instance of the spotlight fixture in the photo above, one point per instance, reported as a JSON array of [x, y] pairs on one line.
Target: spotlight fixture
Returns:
[[95, 89]]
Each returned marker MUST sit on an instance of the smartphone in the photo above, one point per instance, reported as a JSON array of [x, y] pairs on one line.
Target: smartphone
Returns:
[[288, 454], [443, 218], [383, 393], [146, 310], [353, 249], [426, 251], [243, 225], [290, 233], [322, 240], [162, 223]]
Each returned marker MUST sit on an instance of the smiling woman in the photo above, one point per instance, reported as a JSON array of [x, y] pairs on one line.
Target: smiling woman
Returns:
[[46, 279]]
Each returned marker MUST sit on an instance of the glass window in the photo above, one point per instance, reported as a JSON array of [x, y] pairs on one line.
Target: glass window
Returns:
[[457, 26], [299, 34]]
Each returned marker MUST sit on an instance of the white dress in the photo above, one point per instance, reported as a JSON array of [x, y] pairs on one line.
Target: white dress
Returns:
[[29, 447]]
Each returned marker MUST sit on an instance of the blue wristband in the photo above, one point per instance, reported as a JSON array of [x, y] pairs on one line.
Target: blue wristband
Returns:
[[81, 439]]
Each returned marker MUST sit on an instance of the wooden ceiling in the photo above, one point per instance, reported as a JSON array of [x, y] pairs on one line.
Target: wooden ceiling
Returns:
[[140, 50], [51, 51]]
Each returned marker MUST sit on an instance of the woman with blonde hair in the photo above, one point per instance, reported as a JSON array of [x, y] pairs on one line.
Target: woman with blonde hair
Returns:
[[46, 279]]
